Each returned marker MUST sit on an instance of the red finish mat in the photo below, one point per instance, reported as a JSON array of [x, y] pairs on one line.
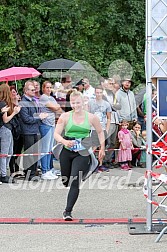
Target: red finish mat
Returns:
[[75, 221]]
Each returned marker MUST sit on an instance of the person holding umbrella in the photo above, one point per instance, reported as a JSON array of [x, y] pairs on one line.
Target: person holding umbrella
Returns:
[[17, 137], [75, 157], [8, 111]]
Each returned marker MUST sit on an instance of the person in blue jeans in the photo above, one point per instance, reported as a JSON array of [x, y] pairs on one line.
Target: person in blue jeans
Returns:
[[49, 105], [7, 113]]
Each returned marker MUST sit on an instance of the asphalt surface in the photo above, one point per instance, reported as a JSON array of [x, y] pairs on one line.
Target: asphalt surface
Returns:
[[117, 194]]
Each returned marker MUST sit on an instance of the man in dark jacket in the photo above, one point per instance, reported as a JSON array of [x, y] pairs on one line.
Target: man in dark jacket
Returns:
[[30, 120]]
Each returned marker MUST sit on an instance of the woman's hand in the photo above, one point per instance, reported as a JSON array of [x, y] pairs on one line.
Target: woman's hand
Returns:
[[138, 133], [68, 143], [5, 109], [16, 109]]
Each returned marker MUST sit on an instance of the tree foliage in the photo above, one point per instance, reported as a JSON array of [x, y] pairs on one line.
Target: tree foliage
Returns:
[[98, 32]]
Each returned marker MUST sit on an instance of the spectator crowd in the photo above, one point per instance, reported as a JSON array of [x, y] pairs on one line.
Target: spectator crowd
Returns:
[[28, 121]]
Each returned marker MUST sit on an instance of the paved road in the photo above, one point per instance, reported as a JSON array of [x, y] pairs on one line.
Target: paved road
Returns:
[[117, 194]]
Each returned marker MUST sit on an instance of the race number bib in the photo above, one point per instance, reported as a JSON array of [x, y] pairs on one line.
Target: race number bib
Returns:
[[77, 145]]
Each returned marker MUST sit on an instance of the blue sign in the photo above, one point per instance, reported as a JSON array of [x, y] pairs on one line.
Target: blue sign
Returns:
[[162, 98]]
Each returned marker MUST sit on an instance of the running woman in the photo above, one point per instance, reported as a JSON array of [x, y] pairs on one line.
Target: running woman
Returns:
[[74, 157]]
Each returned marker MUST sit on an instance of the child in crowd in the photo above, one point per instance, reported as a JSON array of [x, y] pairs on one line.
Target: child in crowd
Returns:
[[137, 141], [143, 152], [124, 152]]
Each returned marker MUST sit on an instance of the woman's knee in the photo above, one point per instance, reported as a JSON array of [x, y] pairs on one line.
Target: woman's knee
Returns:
[[74, 181], [70, 182]]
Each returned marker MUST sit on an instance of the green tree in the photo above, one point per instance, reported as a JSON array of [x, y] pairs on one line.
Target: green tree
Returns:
[[98, 32]]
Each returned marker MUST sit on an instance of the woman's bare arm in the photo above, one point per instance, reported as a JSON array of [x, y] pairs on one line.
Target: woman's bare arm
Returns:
[[60, 126]]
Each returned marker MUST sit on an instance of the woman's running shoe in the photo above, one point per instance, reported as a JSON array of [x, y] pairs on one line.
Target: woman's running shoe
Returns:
[[67, 216]]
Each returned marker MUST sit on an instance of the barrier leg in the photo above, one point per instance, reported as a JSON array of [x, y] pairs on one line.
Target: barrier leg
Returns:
[[161, 234]]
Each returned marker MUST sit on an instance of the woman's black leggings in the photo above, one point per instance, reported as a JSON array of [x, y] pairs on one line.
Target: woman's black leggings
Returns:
[[73, 166]]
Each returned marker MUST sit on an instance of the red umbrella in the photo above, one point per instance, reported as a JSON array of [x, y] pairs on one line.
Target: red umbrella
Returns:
[[18, 73]]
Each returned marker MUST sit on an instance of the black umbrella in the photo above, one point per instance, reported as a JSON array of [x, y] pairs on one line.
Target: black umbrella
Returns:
[[61, 64]]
